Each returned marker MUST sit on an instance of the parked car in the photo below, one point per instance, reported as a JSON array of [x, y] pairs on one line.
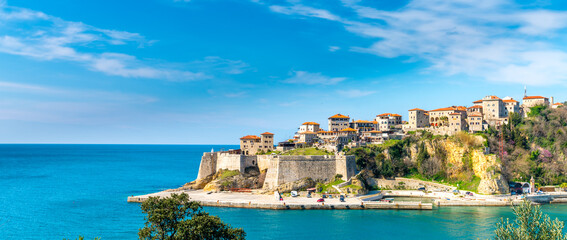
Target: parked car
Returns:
[[294, 194], [320, 200], [421, 189], [309, 195], [342, 198], [470, 194]]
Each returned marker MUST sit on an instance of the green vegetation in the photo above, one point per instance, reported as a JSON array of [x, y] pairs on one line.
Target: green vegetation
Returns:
[[176, 218], [530, 224], [269, 152], [307, 151], [329, 186], [228, 173], [534, 146], [352, 186]]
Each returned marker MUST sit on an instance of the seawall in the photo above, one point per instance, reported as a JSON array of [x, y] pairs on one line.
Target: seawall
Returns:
[[244, 200]]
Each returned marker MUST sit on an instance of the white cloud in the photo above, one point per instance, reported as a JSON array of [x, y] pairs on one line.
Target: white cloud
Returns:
[[56, 39], [490, 39], [38, 103], [298, 9], [227, 66], [354, 93], [303, 77], [334, 48]]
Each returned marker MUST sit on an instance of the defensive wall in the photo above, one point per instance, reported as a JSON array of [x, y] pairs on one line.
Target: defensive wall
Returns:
[[281, 168]]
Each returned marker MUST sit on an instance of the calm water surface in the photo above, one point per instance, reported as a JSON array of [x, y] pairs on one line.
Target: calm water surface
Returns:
[[62, 191]]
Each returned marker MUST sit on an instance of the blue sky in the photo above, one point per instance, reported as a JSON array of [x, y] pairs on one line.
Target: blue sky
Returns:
[[211, 71]]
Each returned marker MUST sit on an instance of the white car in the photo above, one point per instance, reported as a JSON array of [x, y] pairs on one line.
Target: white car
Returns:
[[294, 194]]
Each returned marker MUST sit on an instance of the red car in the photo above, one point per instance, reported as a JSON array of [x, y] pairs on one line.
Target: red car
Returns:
[[320, 200]]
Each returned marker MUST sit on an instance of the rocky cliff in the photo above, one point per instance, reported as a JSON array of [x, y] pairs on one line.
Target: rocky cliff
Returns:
[[458, 159]]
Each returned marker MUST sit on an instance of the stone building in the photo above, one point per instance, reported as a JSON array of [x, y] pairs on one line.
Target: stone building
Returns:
[[532, 101], [364, 126], [252, 144], [440, 117], [338, 122], [493, 108], [387, 121], [307, 137], [511, 106], [457, 122], [309, 127], [418, 118], [475, 122], [374, 137], [557, 105], [474, 109]]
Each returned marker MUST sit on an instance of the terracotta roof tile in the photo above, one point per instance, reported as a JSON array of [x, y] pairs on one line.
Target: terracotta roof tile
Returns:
[[361, 121], [267, 133], [475, 106], [251, 137], [339, 116], [310, 123], [348, 130], [534, 97], [416, 109]]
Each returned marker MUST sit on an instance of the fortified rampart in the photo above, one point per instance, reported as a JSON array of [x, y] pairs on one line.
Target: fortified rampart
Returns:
[[281, 168]]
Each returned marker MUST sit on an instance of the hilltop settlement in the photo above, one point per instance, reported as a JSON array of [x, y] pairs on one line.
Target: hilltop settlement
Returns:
[[449, 153]]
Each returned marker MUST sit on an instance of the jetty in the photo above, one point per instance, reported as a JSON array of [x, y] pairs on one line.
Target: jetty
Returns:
[[262, 201]]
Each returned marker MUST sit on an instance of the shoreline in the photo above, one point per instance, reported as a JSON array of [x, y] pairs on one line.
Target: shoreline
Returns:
[[259, 201]]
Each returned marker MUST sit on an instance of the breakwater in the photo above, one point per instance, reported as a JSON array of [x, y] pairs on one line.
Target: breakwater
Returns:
[[248, 200]]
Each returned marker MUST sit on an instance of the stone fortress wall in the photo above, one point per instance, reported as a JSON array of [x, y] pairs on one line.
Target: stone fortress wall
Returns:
[[281, 168]]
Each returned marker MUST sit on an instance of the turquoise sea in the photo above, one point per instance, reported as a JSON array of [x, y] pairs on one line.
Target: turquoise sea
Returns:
[[63, 191]]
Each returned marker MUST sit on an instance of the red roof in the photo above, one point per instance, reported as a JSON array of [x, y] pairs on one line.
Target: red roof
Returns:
[[416, 109], [388, 115], [307, 132], [348, 130], [252, 137], [267, 133], [454, 114], [534, 97], [475, 114], [560, 104], [339, 116], [477, 101], [492, 97], [310, 123], [475, 106], [452, 108], [509, 100]]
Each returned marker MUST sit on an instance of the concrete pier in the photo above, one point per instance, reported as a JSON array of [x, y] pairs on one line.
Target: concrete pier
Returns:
[[248, 200]]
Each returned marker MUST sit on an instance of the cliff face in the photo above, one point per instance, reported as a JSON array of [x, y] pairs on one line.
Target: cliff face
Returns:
[[461, 160]]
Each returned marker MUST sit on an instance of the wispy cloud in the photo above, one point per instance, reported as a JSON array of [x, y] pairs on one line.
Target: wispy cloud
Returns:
[[497, 40], [354, 93], [334, 48], [219, 64], [298, 9], [47, 38], [303, 77], [39, 103]]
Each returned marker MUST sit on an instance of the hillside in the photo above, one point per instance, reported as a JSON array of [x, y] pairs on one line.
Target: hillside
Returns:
[[533, 146]]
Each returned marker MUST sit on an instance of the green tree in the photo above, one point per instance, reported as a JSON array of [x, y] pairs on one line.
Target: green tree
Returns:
[[176, 218], [530, 224]]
